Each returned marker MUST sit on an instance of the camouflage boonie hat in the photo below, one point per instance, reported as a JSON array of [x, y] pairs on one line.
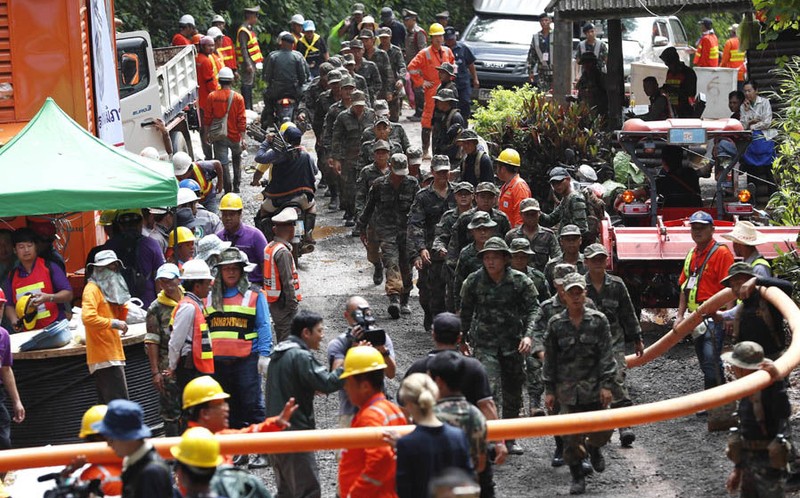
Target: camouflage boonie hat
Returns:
[[399, 164], [349, 59], [414, 155], [481, 219], [568, 230], [738, 268], [529, 204], [325, 68], [357, 43], [486, 187], [574, 280], [746, 354], [440, 162], [494, 244], [595, 250], [381, 106], [382, 119], [380, 145], [466, 135], [561, 270], [347, 80], [460, 186], [383, 31], [521, 244], [445, 95], [335, 61], [334, 76], [366, 33], [358, 98], [345, 48], [447, 68]]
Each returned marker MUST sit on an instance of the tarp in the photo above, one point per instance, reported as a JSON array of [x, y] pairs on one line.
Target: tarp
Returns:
[[55, 166]]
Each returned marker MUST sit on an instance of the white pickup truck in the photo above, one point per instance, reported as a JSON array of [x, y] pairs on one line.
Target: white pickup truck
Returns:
[[156, 83]]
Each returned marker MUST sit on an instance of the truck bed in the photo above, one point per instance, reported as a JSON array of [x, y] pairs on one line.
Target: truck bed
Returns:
[[177, 79]]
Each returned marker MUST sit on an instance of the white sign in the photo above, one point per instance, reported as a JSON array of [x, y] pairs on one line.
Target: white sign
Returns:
[[106, 101], [716, 83]]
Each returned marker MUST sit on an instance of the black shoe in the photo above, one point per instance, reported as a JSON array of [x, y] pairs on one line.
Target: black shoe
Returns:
[[578, 485], [334, 204], [394, 307], [377, 274], [597, 459], [514, 448], [405, 309], [414, 118], [586, 466], [350, 222], [356, 232], [626, 437], [558, 457], [257, 462]]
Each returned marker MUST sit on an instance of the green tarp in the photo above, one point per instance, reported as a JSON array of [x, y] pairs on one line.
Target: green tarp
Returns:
[[55, 166]]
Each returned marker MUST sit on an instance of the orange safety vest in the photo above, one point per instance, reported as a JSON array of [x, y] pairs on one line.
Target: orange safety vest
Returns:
[[233, 329], [200, 178], [252, 46], [109, 475], [710, 59], [226, 52], [216, 62], [38, 281], [672, 85], [202, 354], [272, 281], [733, 58]]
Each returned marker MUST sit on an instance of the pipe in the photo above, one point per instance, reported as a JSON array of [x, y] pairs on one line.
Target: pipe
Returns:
[[297, 441]]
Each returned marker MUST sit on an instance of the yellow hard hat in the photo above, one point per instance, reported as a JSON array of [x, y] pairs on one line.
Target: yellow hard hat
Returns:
[[184, 235], [107, 217], [198, 448], [201, 390], [362, 359], [286, 125], [26, 312], [510, 157], [92, 416], [436, 29], [231, 202]]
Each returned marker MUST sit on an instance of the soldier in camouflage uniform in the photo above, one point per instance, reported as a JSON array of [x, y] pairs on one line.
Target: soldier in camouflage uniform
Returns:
[[429, 205], [570, 240], [446, 369], [361, 82], [414, 155], [342, 93], [379, 131], [612, 299], [380, 58], [578, 373], [442, 298], [366, 177], [398, 63], [485, 200], [347, 130], [482, 228], [447, 123], [388, 204], [498, 310], [521, 255], [447, 78], [396, 133], [368, 70], [572, 208], [542, 240], [156, 343], [311, 112]]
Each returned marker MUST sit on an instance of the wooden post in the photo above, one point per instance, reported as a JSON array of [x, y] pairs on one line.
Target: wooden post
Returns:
[[615, 77], [562, 59]]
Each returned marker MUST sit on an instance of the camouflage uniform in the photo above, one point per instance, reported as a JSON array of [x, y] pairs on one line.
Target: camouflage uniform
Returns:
[[578, 362], [459, 412], [426, 212], [398, 63], [544, 244], [397, 135], [369, 71], [460, 234], [365, 156], [537, 277], [548, 269], [387, 212], [366, 178], [347, 130], [441, 241], [468, 263], [446, 125], [495, 317], [571, 211], [158, 332], [382, 63]]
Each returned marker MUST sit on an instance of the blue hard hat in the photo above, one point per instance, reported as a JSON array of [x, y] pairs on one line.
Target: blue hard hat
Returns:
[[701, 217], [190, 184], [293, 135], [309, 26]]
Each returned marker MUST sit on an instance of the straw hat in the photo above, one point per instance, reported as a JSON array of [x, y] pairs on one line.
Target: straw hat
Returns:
[[744, 232]]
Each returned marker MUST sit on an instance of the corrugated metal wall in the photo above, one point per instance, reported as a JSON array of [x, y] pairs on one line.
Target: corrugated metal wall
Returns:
[[761, 63]]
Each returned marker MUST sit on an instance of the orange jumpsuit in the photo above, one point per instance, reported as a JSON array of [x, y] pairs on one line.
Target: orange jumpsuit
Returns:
[[269, 425], [512, 193], [110, 476], [422, 68], [371, 472], [206, 79]]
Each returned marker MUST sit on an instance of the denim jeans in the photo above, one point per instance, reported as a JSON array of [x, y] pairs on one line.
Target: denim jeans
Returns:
[[221, 154], [239, 377], [708, 348]]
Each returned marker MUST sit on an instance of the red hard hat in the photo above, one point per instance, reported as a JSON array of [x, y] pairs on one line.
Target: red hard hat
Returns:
[[2, 296]]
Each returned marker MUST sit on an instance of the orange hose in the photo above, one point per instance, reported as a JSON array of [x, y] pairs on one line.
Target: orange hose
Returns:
[[296, 441]]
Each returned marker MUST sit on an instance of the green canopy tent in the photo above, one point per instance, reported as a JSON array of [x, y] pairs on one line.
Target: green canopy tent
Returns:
[[55, 166]]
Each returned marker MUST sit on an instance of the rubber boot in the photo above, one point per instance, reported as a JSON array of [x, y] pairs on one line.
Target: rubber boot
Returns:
[[597, 459], [558, 455], [308, 239], [536, 409], [394, 306], [626, 437], [404, 308], [426, 143], [334, 204], [586, 465], [377, 274], [578, 486]]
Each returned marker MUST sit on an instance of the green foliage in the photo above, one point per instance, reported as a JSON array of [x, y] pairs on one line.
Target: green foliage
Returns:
[[722, 25], [503, 111], [777, 16]]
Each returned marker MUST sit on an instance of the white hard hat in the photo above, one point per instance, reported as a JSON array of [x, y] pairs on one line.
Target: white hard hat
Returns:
[[150, 153], [214, 32], [181, 162], [298, 19], [225, 74], [217, 18], [186, 19], [186, 195], [196, 269], [586, 173], [288, 215]]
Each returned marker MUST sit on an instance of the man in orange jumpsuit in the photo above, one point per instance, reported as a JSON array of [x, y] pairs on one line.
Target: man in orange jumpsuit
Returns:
[[368, 472], [226, 49], [206, 81], [514, 189], [732, 57], [186, 30], [206, 405], [707, 52], [422, 69]]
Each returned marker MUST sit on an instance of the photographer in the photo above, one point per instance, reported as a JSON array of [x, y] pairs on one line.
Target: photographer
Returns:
[[361, 330]]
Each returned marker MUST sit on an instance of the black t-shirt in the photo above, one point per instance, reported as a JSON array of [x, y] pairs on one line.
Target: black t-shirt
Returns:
[[474, 383], [776, 410]]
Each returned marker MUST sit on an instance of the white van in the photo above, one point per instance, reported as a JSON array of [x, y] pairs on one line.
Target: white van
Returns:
[[653, 35]]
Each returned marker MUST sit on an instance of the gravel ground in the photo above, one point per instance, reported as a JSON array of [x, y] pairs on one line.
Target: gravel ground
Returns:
[[673, 458]]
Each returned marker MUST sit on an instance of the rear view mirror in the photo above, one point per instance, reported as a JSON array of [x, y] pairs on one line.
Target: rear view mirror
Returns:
[[129, 67], [660, 41]]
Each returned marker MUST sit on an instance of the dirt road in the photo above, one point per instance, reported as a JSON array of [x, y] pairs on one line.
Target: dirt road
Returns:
[[674, 458]]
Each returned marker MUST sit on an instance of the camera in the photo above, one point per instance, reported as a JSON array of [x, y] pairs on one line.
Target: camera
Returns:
[[71, 488], [363, 317]]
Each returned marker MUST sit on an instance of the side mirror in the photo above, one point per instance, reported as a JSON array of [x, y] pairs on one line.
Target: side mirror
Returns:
[[660, 41], [129, 67]]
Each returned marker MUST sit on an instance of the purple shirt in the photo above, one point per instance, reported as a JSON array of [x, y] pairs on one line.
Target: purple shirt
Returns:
[[57, 277], [150, 258], [252, 242], [6, 360]]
